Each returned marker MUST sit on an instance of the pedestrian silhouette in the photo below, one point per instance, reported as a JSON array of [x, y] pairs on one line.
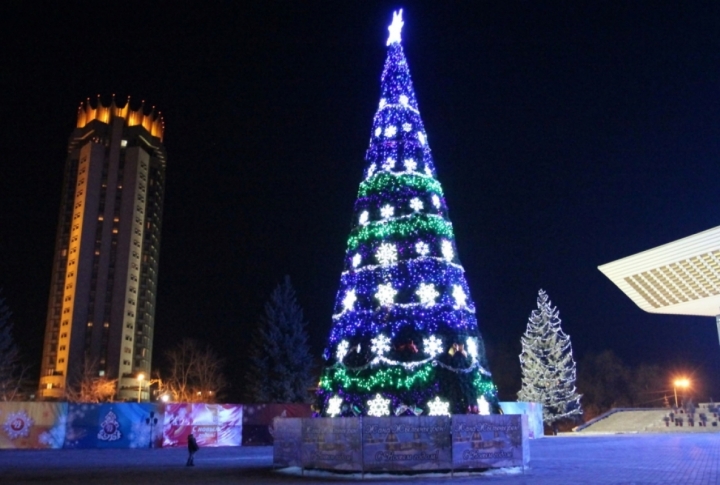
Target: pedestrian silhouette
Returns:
[[192, 449]]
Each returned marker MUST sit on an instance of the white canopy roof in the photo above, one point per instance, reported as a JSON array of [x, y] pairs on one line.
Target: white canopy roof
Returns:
[[681, 277]]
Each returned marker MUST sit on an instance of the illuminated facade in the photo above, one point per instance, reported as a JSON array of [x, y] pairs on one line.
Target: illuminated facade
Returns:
[[101, 310], [679, 278]]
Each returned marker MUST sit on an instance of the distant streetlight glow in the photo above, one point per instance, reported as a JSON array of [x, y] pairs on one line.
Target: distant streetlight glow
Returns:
[[140, 378], [683, 383]]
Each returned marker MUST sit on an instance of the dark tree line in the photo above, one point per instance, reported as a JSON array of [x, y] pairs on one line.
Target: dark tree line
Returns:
[[606, 382], [13, 372]]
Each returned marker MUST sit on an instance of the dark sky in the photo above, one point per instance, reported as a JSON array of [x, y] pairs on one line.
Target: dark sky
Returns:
[[565, 137]]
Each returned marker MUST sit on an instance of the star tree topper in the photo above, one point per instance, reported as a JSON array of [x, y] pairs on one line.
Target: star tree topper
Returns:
[[395, 28]]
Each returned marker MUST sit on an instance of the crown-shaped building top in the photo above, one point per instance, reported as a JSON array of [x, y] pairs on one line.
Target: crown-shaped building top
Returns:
[[153, 121]]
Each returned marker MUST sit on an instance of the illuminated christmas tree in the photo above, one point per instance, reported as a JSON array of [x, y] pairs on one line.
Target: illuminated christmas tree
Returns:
[[404, 338], [547, 364]]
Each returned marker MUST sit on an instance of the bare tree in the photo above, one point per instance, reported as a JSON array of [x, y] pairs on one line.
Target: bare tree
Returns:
[[91, 387], [194, 373], [12, 371]]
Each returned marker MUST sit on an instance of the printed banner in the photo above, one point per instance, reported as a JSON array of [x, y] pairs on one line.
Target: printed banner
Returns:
[[32, 424], [493, 441], [407, 443], [288, 436], [332, 443], [114, 425], [211, 424]]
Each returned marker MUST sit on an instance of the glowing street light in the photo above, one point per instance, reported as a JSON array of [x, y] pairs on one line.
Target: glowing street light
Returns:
[[140, 378], [682, 383]]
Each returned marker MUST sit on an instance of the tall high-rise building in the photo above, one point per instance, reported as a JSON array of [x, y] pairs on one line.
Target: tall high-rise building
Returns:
[[101, 311]]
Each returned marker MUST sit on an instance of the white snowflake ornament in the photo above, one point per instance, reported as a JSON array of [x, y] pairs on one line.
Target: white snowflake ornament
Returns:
[[447, 250], [342, 350], [422, 248], [459, 295], [416, 204], [349, 300], [386, 294], [483, 406], [386, 254], [387, 211], [472, 347], [438, 407], [427, 294], [378, 406], [334, 404], [433, 346], [380, 345]]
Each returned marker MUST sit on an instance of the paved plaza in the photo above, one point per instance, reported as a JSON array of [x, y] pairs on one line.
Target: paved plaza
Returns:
[[685, 458]]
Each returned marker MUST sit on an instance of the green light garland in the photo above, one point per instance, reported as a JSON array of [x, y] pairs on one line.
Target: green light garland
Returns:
[[385, 182], [484, 386], [394, 377], [401, 228]]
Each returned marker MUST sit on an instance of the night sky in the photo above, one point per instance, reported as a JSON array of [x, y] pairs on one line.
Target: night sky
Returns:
[[564, 136]]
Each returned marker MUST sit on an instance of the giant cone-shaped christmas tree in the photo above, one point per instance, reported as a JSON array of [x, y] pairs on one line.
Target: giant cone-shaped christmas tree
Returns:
[[404, 339]]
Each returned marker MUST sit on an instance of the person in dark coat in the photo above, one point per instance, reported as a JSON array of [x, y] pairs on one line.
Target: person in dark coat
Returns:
[[192, 449]]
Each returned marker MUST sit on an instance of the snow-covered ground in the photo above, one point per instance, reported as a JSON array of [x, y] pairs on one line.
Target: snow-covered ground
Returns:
[[687, 458]]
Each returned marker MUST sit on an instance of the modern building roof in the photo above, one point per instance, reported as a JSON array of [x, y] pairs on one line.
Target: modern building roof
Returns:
[[680, 278]]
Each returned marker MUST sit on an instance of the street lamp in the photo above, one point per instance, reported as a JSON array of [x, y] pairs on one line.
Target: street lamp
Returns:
[[140, 378], [682, 383]]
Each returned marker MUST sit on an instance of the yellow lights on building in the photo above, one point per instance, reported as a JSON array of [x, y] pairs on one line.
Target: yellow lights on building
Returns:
[[152, 122]]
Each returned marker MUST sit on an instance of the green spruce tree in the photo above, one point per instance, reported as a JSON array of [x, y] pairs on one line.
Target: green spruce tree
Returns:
[[281, 365]]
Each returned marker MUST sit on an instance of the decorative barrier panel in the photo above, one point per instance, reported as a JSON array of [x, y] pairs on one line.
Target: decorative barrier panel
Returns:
[[406, 443], [331, 444], [257, 429], [211, 424], [32, 424], [117, 425], [114, 425], [422, 443], [534, 411], [288, 433], [489, 442]]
